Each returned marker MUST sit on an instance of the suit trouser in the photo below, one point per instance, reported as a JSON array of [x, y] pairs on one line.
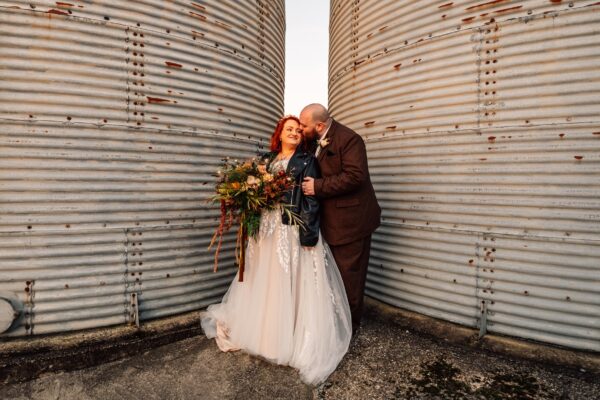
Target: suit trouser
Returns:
[[352, 260]]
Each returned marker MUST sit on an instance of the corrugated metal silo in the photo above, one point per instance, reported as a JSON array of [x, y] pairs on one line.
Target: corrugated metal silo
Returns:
[[113, 118], [482, 123]]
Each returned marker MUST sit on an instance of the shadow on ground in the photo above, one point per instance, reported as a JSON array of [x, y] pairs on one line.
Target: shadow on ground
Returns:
[[387, 360]]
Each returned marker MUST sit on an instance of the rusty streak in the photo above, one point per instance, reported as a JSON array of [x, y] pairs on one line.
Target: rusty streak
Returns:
[[223, 24], [157, 100], [578, 157], [195, 15], [446, 5], [485, 5], [369, 123], [397, 66], [508, 9], [198, 6], [59, 12], [172, 64], [61, 4], [469, 19]]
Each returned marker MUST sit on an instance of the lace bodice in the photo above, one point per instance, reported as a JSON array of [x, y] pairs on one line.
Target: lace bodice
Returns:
[[279, 165]]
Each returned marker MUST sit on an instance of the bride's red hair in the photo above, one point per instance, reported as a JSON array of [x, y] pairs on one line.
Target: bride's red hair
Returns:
[[276, 138]]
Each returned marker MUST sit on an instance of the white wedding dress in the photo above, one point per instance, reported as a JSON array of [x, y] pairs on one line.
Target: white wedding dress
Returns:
[[291, 308]]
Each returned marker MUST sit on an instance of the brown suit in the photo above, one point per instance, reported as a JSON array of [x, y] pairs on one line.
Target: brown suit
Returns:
[[349, 209]]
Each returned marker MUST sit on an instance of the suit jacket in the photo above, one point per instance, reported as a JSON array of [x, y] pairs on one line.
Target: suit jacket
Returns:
[[349, 208]]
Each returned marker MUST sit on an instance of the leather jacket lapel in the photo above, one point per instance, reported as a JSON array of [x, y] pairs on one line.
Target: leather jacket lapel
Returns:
[[296, 163]]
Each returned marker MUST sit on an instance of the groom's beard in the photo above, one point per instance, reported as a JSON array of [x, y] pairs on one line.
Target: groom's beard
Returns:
[[312, 136], [311, 146]]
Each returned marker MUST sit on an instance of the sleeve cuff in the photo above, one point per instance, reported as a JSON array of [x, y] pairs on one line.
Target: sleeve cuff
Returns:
[[318, 187]]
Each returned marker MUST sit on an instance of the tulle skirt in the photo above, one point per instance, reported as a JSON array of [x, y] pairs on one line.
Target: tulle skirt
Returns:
[[291, 308]]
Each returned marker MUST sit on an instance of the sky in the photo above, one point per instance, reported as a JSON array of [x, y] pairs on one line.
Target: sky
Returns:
[[307, 50]]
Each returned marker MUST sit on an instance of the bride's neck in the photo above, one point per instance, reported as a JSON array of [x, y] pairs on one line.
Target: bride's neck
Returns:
[[286, 151]]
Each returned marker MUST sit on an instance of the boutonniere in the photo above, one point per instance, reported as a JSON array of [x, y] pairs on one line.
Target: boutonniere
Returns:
[[323, 143]]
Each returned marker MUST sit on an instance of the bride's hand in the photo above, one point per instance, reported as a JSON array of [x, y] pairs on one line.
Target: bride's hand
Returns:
[[262, 168], [308, 186]]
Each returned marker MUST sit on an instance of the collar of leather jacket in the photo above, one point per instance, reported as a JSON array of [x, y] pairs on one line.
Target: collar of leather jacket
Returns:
[[297, 161]]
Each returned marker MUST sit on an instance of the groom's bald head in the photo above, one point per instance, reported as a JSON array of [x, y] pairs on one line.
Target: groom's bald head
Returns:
[[316, 112], [313, 120]]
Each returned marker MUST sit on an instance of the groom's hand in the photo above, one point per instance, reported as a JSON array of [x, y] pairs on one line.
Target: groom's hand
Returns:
[[308, 186]]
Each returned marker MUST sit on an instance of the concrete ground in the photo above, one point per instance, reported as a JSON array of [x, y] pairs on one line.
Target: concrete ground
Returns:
[[389, 359]]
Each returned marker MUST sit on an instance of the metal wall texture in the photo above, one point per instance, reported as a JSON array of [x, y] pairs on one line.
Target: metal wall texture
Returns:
[[114, 117], [482, 124]]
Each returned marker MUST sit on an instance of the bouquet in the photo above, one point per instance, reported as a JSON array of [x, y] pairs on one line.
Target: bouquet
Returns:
[[244, 190]]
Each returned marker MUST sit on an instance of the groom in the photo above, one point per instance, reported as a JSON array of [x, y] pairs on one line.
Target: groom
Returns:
[[349, 210]]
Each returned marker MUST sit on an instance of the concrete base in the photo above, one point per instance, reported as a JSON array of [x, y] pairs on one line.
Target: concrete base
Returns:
[[24, 359]]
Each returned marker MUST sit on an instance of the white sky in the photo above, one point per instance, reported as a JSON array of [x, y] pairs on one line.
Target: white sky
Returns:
[[307, 49]]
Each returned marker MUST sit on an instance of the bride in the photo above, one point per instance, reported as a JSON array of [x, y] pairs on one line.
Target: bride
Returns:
[[291, 308]]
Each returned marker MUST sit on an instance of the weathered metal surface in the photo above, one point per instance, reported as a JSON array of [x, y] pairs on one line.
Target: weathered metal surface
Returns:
[[114, 117], [483, 132]]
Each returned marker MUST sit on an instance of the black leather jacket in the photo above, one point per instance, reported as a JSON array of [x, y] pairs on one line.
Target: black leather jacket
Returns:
[[302, 164]]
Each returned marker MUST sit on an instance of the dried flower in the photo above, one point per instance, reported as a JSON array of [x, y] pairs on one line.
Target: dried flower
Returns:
[[323, 142], [267, 178], [252, 181]]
